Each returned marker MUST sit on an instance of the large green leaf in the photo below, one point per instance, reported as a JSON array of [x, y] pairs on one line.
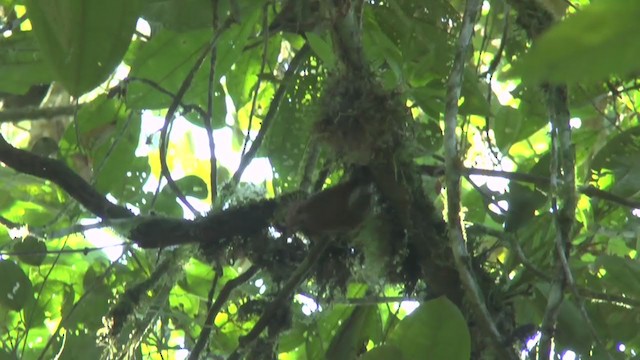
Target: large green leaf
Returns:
[[436, 328], [589, 45], [353, 333], [83, 40], [15, 287], [572, 330], [31, 250], [165, 60], [178, 15], [287, 139], [111, 137], [621, 273], [323, 49], [21, 64]]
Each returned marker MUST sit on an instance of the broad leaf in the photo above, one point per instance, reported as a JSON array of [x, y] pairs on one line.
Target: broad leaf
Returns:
[[83, 41], [15, 288], [436, 328], [588, 46]]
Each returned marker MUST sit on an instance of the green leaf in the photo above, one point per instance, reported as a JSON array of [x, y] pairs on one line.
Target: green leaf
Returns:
[[475, 202], [383, 352], [5, 355], [85, 343], [588, 46], [475, 101], [192, 185], [178, 15], [621, 273], [167, 203], [40, 194], [31, 250], [524, 200], [436, 328], [573, 332], [291, 339], [15, 287], [429, 98], [165, 61], [111, 138], [83, 41], [428, 136], [323, 49], [379, 46], [40, 311], [21, 64], [197, 280], [232, 42], [352, 334], [620, 151], [286, 142]]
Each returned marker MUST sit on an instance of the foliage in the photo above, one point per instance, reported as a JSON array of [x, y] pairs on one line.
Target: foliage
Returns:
[[122, 236]]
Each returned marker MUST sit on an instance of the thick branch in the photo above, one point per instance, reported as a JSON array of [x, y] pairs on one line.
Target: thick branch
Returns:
[[58, 172], [244, 221]]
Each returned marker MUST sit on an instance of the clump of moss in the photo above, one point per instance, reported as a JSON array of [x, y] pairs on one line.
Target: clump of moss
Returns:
[[359, 120], [368, 127]]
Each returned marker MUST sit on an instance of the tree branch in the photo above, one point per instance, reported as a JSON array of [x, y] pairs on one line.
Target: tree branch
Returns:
[[287, 289], [58, 172], [453, 174]]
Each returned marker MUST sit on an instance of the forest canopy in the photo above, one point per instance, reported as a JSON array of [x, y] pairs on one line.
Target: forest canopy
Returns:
[[319, 179]]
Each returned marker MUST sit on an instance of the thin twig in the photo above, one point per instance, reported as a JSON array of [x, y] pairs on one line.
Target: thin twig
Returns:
[[186, 107], [263, 64], [289, 75], [164, 133], [37, 299], [222, 298], [514, 245], [91, 287], [287, 289], [493, 65], [208, 119], [592, 191]]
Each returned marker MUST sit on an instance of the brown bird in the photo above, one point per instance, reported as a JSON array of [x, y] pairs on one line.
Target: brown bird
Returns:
[[340, 208]]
